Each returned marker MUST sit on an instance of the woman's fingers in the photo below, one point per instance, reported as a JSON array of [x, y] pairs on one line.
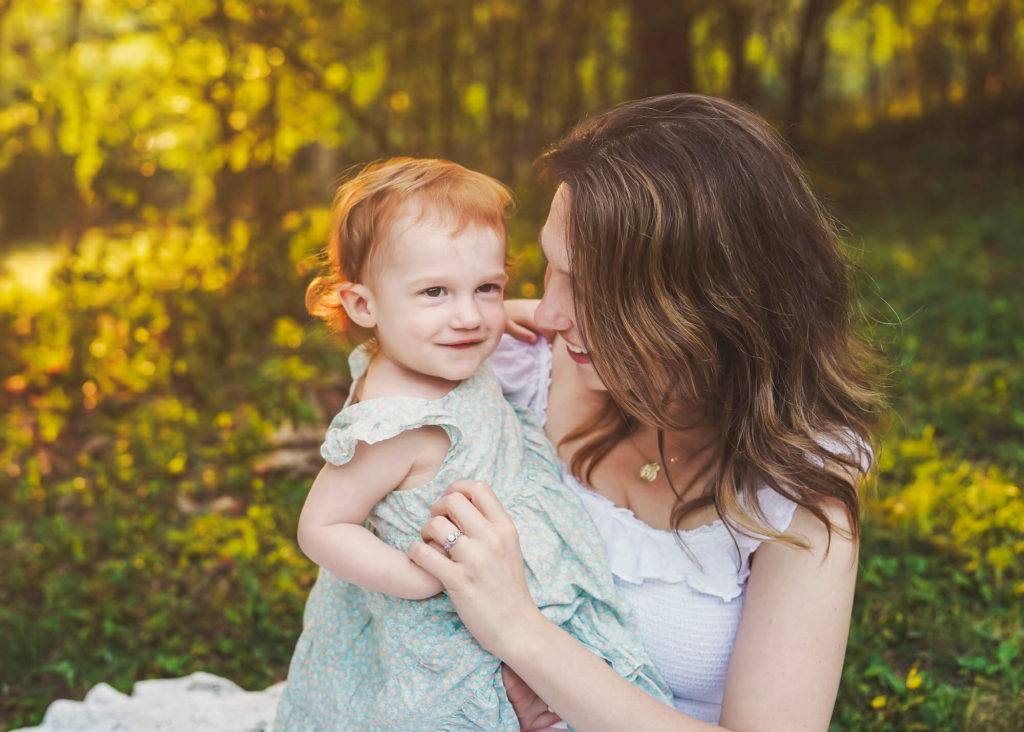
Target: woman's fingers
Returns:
[[480, 495], [483, 572], [442, 532]]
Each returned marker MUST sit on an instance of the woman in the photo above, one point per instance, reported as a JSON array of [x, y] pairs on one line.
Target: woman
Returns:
[[713, 410]]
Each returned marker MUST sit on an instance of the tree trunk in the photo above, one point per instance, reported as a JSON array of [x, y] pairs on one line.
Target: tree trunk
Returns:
[[577, 27], [663, 47], [445, 65], [737, 30], [812, 25]]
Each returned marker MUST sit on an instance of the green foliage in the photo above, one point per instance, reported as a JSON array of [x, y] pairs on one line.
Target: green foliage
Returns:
[[936, 637], [137, 538]]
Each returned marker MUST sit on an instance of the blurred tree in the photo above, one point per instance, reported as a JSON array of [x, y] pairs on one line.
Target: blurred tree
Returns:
[[124, 110], [807, 62], [663, 41]]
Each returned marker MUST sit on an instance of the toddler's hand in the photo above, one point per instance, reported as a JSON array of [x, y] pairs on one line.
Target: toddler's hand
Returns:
[[531, 711], [520, 323]]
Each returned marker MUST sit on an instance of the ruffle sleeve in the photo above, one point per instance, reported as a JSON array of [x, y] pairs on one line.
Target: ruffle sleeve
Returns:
[[524, 372], [376, 420]]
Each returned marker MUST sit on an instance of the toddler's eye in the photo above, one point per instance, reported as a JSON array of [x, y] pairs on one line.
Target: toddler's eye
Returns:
[[434, 291], [489, 287]]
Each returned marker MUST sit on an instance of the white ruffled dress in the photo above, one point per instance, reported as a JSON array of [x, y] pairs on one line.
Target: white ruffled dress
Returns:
[[687, 604]]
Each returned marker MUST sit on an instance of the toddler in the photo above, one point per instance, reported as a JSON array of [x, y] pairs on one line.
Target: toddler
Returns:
[[417, 255]]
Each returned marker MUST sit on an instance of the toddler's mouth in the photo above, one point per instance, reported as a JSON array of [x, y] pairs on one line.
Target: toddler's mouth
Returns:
[[461, 345]]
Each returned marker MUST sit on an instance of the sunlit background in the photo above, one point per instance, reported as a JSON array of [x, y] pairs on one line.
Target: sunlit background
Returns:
[[165, 172]]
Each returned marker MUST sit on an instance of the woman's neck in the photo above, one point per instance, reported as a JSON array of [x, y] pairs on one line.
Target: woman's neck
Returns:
[[618, 475]]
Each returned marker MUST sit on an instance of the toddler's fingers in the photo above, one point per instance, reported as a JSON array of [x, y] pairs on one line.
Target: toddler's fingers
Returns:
[[434, 561], [520, 332]]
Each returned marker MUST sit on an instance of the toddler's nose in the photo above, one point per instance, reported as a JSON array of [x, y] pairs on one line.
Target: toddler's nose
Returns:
[[466, 314]]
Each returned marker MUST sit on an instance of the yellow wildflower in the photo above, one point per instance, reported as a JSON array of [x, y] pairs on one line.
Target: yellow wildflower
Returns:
[[913, 679]]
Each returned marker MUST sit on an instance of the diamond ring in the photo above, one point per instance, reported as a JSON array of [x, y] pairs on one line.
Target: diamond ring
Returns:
[[449, 541]]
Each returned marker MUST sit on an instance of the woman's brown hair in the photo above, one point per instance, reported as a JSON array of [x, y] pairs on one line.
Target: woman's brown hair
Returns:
[[711, 289]]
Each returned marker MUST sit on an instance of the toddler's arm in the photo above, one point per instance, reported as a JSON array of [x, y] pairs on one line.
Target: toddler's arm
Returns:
[[330, 525]]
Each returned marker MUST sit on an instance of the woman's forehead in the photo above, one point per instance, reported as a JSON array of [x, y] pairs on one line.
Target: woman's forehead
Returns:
[[553, 237]]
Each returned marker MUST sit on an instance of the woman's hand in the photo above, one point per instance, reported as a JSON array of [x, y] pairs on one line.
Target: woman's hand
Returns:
[[520, 322], [483, 571]]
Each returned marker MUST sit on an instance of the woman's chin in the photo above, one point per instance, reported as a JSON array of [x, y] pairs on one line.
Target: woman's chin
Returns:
[[588, 376]]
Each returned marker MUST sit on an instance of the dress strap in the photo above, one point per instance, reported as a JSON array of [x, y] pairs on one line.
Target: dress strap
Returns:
[[359, 361]]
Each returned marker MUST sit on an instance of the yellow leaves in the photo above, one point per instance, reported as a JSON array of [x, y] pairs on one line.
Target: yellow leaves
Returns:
[[25, 279], [90, 395], [999, 557], [906, 260], [474, 100], [256, 64], [176, 465], [913, 678], [887, 34], [15, 384], [399, 101], [369, 78], [757, 49], [275, 56], [98, 348], [878, 702], [922, 12], [224, 420], [970, 507], [135, 53], [18, 115], [287, 333], [238, 120]]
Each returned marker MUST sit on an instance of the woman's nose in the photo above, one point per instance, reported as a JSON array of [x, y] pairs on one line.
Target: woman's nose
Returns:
[[555, 309]]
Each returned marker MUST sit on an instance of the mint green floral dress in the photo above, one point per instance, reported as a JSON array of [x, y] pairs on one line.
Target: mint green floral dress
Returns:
[[369, 661]]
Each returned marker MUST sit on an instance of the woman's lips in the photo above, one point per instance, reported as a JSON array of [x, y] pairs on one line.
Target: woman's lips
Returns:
[[577, 354]]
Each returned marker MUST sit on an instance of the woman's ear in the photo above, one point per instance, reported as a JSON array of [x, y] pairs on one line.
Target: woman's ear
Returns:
[[358, 302]]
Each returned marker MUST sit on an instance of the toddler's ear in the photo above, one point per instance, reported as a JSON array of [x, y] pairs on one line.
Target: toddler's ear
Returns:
[[357, 300]]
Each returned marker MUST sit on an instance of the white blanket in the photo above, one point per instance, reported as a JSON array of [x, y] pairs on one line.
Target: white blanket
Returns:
[[200, 702]]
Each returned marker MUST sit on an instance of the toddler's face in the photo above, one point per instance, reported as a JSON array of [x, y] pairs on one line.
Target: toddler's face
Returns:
[[438, 297]]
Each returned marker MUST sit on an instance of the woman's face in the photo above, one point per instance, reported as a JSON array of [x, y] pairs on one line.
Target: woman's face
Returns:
[[556, 310]]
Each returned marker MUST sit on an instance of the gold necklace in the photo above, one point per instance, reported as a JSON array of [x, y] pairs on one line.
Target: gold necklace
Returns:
[[650, 470]]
